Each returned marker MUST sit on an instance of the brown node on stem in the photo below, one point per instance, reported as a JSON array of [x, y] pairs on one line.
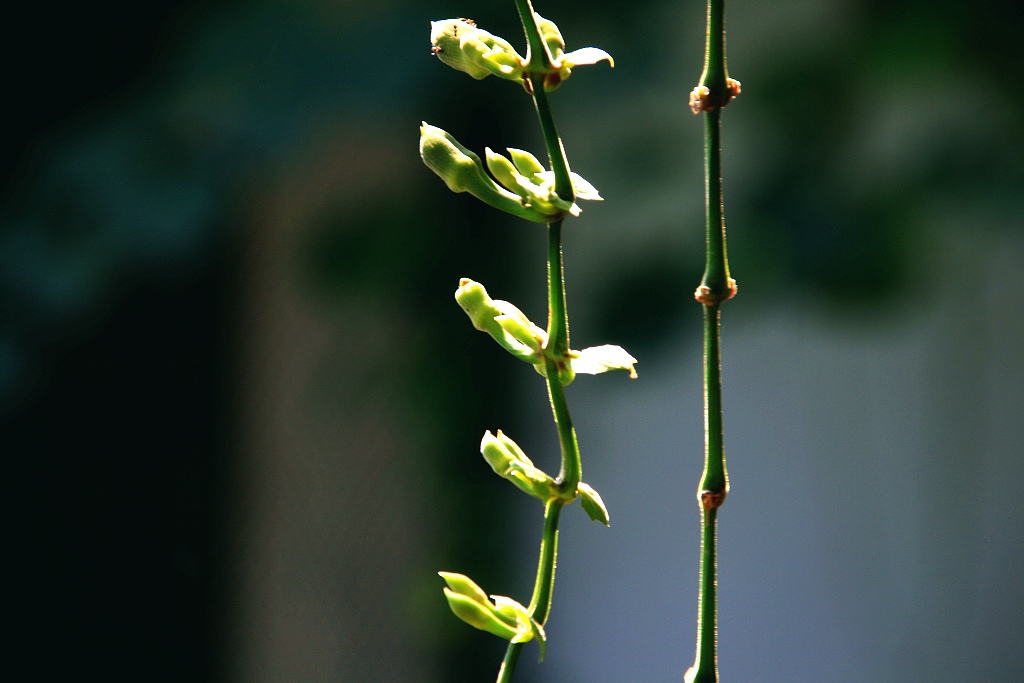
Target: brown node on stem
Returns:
[[710, 297], [702, 99], [710, 500]]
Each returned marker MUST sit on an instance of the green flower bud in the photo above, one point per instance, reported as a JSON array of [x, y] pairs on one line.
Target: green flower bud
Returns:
[[462, 46], [462, 171], [562, 61], [508, 461], [525, 163], [483, 617], [505, 617], [462, 584], [503, 321], [535, 186]]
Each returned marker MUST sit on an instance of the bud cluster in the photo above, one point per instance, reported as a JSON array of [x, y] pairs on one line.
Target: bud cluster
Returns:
[[460, 44], [527, 189]]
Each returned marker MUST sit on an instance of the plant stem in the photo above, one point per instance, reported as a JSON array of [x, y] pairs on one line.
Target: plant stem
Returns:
[[535, 74], [558, 342], [540, 603], [535, 45], [556, 152], [508, 665], [569, 476], [716, 269], [715, 288]]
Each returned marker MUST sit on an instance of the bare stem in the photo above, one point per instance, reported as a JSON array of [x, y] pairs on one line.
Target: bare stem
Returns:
[[715, 288]]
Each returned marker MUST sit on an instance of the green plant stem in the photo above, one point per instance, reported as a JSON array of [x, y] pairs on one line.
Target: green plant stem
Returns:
[[508, 665], [716, 269], [715, 68], [540, 603], [716, 287], [535, 45], [705, 665], [556, 152], [569, 476], [558, 317], [535, 74], [558, 342], [714, 484]]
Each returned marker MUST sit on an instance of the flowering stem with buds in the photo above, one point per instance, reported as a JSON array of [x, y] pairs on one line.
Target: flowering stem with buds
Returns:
[[529, 191]]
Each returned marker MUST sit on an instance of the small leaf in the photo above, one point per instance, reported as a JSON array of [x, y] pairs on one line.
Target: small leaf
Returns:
[[592, 504], [598, 359]]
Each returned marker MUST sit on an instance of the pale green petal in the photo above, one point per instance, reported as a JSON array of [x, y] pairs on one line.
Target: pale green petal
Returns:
[[598, 359]]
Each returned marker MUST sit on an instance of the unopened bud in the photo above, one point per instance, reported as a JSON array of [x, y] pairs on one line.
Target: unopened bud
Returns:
[[462, 46], [504, 617], [508, 461], [503, 321]]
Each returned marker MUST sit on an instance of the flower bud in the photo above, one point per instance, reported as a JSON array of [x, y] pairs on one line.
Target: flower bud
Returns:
[[504, 617], [535, 186], [462, 46], [462, 171], [502, 320], [508, 461]]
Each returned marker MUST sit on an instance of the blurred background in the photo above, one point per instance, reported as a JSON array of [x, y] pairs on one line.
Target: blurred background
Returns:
[[241, 412]]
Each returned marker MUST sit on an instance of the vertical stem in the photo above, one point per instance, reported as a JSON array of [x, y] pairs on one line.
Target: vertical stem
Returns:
[[715, 479], [540, 603], [558, 340], [558, 315], [508, 665], [715, 70], [716, 268], [536, 49], [716, 287], [705, 665], [556, 152]]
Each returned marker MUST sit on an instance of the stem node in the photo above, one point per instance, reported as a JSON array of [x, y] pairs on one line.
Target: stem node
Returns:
[[712, 297], [711, 500]]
